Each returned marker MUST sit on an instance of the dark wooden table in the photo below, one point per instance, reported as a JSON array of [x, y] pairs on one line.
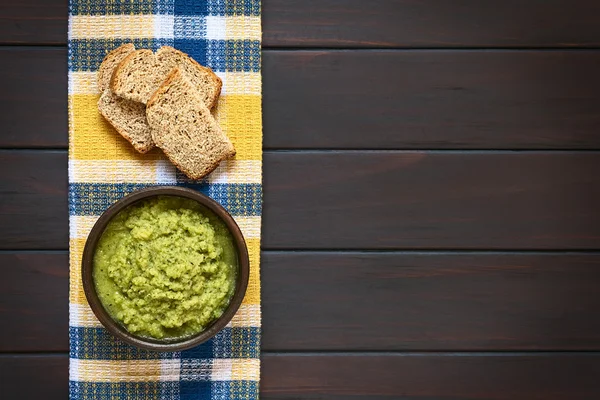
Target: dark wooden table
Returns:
[[431, 218]]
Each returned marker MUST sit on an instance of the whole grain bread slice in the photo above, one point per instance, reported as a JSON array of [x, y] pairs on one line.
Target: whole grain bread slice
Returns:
[[140, 74], [137, 76], [110, 62], [126, 116], [203, 78], [183, 127]]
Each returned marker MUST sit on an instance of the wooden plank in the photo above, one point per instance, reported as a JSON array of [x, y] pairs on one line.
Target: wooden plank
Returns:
[[365, 200], [431, 99], [33, 200], [431, 200], [33, 21], [431, 376], [397, 376], [408, 301], [363, 301], [431, 23], [34, 294], [34, 97], [374, 23], [34, 376], [376, 100]]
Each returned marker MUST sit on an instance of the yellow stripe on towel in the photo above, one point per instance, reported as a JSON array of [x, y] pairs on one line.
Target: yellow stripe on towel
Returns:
[[112, 26], [235, 113]]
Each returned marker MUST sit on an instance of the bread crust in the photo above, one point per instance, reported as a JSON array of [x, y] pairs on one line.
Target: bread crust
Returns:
[[123, 84], [117, 80], [108, 103], [217, 81], [105, 71], [174, 75], [135, 143]]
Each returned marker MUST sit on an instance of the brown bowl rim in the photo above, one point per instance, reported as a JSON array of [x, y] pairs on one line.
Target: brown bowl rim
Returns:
[[90, 289]]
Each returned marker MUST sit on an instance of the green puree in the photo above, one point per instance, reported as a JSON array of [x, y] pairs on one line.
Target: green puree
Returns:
[[165, 268]]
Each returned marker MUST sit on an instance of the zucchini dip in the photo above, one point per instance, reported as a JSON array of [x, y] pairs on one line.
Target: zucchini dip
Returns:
[[165, 268]]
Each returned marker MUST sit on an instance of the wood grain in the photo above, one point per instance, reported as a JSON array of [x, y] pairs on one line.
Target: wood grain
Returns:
[[33, 21], [44, 376], [365, 200], [375, 100], [33, 97], [431, 376], [368, 377], [33, 200], [431, 200], [363, 301], [374, 23], [431, 23], [429, 301], [431, 99], [34, 296]]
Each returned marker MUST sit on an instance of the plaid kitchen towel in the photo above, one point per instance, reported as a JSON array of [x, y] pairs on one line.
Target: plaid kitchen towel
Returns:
[[224, 35]]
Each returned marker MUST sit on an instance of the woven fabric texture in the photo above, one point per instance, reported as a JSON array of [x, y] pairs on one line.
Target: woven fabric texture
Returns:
[[103, 167]]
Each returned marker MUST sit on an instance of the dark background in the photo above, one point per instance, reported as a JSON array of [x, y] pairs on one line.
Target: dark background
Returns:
[[431, 190]]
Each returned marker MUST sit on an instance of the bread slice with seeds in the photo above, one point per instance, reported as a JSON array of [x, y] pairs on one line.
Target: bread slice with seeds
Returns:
[[140, 74], [126, 116], [183, 127]]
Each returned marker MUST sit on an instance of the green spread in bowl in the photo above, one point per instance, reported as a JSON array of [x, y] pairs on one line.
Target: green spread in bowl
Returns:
[[165, 268]]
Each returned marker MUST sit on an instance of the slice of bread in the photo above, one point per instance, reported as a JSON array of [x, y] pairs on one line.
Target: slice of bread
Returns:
[[137, 76], [109, 64], [184, 129], [126, 116], [203, 78], [140, 73]]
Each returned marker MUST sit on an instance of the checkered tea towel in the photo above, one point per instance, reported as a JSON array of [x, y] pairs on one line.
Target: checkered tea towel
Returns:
[[224, 35]]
